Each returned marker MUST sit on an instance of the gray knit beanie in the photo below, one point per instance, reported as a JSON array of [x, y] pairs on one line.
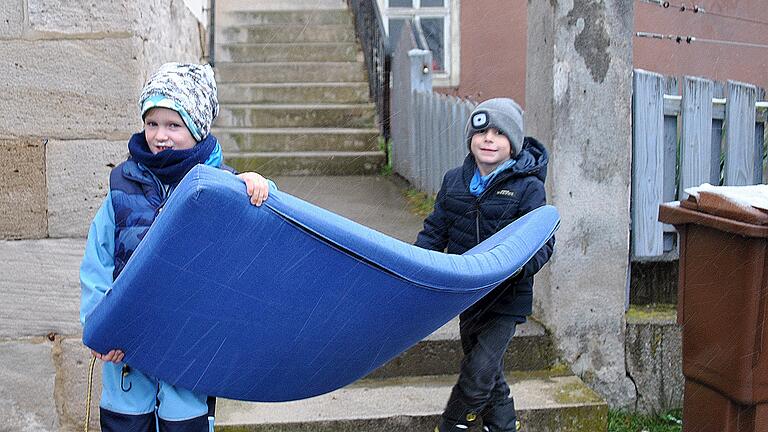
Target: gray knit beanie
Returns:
[[189, 89], [501, 113]]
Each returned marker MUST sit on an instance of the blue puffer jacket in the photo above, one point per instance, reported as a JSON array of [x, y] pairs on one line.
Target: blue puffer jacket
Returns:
[[460, 220], [134, 200]]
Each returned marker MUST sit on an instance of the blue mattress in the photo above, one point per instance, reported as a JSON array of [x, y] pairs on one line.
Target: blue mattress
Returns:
[[287, 300]]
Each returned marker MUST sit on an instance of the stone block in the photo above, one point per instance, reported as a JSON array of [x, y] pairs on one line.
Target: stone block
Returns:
[[11, 19], [22, 196], [27, 380], [78, 180], [40, 287], [70, 89], [73, 360], [170, 32], [655, 363], [82, 16]]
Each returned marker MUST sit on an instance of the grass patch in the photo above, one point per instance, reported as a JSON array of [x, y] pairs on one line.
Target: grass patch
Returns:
[[386, 147], [621, 421], [657, 311], [420, 203]]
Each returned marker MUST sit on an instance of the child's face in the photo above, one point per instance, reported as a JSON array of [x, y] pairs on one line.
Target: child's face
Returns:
[[165, 130], [490, 148]]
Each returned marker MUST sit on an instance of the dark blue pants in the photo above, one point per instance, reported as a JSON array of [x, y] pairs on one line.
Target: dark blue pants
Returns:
[[482, 391], [116, 422]]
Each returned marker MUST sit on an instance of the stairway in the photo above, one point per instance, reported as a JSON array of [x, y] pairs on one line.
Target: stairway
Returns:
[[294, 96], [293, 89], [409, 393]]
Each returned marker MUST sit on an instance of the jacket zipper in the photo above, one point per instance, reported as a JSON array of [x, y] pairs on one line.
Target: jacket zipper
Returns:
[[164, 192], [477, 221], [493, 186]]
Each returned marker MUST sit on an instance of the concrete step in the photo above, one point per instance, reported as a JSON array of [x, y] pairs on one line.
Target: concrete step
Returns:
[[281, 5], [289, 51], [282, 116], [306, 17], [297, 139], [332, 163], [293, 93], [440, 353], [544, 403], [286, 33], [286, 72]]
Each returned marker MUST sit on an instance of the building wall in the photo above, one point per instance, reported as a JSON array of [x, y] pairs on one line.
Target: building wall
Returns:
[[493, 45], [714, 61], [71, 74]]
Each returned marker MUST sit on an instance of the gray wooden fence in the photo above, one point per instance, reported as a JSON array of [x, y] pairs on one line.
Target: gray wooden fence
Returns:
[[438, 137], [685, 140]]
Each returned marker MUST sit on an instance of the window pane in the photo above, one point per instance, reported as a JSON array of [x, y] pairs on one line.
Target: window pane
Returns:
[[395, 27], [401, 3], [435, 36], [432, 3]]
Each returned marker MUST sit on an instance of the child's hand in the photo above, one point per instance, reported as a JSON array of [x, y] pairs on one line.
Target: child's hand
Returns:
[[114, 356], [256, 186]]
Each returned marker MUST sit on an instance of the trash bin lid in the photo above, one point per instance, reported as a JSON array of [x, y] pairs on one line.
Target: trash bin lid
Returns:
[[740, 210], [742, 203]]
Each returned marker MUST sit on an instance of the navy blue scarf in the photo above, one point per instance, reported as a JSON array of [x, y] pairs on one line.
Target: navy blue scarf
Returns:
[[170, 166]]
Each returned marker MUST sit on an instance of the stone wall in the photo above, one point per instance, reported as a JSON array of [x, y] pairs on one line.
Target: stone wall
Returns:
[[654, 352], [72, 71]]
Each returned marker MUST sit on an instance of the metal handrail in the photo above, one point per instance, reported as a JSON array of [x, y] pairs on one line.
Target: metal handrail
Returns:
[[369, 27], [212, 33]]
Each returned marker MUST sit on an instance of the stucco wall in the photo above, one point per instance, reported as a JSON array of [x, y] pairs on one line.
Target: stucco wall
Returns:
[[714, 61], [493, 45], [493, 50]]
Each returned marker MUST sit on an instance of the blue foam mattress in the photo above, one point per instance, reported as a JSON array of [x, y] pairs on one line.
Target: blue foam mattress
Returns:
[[287, 300]]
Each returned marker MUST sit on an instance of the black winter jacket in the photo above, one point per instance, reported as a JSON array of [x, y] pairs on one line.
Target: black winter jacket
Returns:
[[460, 220]]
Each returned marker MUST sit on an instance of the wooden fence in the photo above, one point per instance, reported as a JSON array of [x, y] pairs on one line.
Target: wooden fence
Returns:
[[680, 141], [438, 137]]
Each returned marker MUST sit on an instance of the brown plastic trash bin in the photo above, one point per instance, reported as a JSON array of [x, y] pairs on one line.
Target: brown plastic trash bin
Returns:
[[723, 309]]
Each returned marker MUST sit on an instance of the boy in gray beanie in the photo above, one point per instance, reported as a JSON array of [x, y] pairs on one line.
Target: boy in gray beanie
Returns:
[[178, 105], [502, 179], [502, 114]]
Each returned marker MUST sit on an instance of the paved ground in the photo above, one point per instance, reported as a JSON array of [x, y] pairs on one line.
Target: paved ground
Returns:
[[374, 201]]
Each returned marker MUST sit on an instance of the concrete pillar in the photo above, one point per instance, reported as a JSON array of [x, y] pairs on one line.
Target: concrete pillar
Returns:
[[578, 102]]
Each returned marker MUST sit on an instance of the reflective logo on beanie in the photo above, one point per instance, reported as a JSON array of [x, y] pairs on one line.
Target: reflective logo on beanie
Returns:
[[480, 120]]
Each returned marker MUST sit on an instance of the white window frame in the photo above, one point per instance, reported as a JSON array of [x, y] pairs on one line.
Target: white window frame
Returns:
[[450, 15]]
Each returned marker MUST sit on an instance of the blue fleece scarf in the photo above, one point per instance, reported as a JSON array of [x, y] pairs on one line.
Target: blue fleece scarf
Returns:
[[479, 182], [170, 166]]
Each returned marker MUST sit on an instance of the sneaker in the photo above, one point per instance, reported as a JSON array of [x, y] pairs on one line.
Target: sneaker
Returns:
[[460, 427], [487, 429]]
